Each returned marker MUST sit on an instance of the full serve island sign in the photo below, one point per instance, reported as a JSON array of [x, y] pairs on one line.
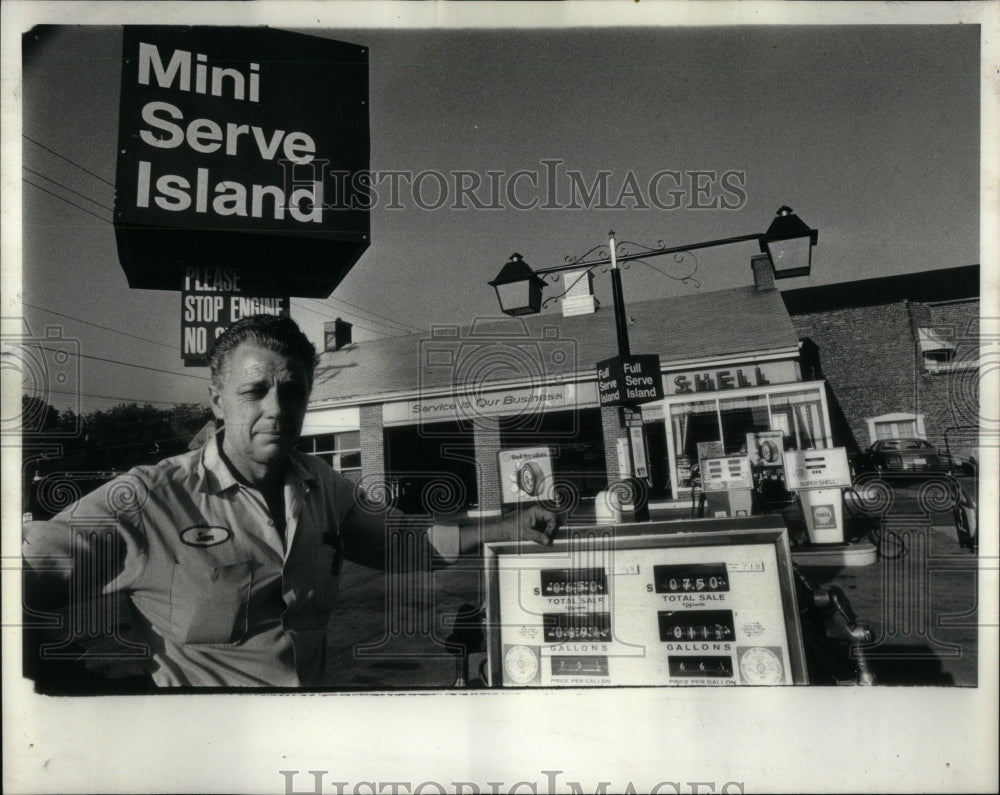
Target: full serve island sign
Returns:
[[243, 157]]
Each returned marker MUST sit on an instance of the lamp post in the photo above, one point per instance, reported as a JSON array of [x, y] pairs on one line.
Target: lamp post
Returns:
[[788, 242]]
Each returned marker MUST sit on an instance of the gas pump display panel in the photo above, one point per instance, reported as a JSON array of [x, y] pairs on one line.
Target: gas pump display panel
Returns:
[[728, 473], [618, 605]]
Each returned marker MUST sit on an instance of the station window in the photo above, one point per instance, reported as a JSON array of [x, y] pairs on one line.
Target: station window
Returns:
[[799, 413], [341, 450], [740, 416], [800, 416], [895, 426]]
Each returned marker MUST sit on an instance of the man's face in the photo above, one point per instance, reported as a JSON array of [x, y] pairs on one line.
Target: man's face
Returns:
[[262, 399]]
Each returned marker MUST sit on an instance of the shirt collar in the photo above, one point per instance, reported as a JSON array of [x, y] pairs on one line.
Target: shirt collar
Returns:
[[216, 477]]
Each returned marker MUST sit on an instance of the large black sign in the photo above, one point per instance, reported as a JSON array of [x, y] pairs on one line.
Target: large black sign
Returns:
[[242, 147], [629, 380]]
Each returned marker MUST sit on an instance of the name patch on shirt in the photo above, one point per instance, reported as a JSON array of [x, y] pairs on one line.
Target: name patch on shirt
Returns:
[[205, 535]]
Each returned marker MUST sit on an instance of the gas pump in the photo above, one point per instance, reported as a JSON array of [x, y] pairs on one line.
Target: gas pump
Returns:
[[728, 485], [819, 477], [658, 605]]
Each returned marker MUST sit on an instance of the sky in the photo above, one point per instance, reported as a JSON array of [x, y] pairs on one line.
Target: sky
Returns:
[[871, 134]]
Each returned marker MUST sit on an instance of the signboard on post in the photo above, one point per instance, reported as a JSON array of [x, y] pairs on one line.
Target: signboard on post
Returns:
[[211, 301], [629, 380], [765, 449], [639, 466], [242, 147], [526, 474]]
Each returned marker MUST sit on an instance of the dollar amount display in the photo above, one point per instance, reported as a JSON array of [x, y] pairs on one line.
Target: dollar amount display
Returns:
[[692, 578], [566, 582], [560, 627], [701, 625]]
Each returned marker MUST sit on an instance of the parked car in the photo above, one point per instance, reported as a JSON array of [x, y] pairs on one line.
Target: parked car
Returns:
[[965, 460], [907, 456]]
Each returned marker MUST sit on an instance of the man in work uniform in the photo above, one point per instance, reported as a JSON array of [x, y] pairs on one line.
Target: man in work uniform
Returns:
[[230, 555]]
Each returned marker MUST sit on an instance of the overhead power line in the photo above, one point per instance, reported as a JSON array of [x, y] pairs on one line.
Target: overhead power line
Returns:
[[375, 314], [359, 325], [98, 325], [66, 187], [118, 398], [388, 322], [64, 199], [115, 361], [71, 162]]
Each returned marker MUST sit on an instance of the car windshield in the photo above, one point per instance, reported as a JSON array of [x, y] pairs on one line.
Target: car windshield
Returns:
[[905, 444]]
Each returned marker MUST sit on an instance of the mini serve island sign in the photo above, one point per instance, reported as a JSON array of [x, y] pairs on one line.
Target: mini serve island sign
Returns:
[[241, 148]]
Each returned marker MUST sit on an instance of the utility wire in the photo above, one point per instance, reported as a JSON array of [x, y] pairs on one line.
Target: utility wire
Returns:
[[115, 397], [326, 316], [359, 325], [392, 323], [396, 325], [63, 157], [114, 361], [64, 199], [375, 314], [66, 187], [98, 325], [147, 443]]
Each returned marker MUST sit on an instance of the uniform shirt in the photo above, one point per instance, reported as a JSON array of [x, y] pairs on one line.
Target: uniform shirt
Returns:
[[218, 595]]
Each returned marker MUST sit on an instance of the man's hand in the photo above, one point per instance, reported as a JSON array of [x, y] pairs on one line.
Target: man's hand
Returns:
[[532, 524], [536, 525]]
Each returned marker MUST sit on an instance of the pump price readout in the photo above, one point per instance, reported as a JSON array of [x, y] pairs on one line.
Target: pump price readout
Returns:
[[689, 667], [561, 627], [692, 625], [574, 665], [691, 578], [570, 582]]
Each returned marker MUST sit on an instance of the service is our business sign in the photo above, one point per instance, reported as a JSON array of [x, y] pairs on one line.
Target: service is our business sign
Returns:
[[242, 147]]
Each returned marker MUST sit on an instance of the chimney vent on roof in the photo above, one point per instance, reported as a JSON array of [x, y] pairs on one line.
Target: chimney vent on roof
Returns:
[[336, 334], [579, 298], [763, 273]]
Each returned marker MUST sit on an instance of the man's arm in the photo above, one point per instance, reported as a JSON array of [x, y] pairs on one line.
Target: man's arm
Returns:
[[96, 543], [366, 529], [531, 525], [366, 534]]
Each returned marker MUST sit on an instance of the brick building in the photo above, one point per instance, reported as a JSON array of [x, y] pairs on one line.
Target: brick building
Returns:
[[899, 354]]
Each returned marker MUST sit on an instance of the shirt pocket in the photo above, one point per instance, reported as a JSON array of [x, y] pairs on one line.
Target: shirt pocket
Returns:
[[209, 604], [325, 570]]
